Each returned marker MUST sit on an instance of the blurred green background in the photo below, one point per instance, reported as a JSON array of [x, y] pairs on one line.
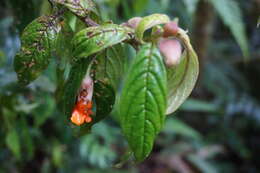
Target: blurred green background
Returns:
[[216, 130]]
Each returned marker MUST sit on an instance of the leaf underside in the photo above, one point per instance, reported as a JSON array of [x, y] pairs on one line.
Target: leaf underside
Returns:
[[181, 80]]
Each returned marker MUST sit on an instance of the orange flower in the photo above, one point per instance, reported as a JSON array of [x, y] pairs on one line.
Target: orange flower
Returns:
[[81, 113], [82, 109]]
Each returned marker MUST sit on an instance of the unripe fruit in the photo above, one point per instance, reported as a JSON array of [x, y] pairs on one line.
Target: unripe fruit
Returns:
[[170, 29], [171, 50]]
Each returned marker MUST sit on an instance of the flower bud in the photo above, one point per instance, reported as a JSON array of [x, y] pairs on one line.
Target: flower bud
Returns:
[[88, 85], [133, 22], [171, 50], [170, 29]]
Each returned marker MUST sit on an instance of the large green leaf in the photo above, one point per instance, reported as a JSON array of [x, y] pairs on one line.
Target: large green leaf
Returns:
[[231, 15], [38, 39], [143, 101], [94, 39], [81, 8], [148, 22], [182, 78]]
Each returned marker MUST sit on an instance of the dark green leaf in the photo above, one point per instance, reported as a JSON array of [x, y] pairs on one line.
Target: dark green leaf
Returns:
[[143, 101], [110, 65], [94, 39], [104, 96], [38, 39]]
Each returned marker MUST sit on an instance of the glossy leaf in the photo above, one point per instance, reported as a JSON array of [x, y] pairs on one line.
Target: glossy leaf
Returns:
[[38, 40], [148, 22], [143, 101], [81, 8], [182, 78], [231, 15], [94, 39]]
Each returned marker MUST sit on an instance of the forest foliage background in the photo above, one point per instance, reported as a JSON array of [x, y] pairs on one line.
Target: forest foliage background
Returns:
[[216, 130]]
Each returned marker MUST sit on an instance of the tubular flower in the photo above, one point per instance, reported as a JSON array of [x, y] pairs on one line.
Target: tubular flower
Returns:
[[82, 110]]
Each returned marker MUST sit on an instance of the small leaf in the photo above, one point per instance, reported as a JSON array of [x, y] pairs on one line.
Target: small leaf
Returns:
[[13, 143], [233, 21], [143, 101], [81, 8], [148, 22], [182, 78], [37, 39], [94, 39], [72, 85]]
